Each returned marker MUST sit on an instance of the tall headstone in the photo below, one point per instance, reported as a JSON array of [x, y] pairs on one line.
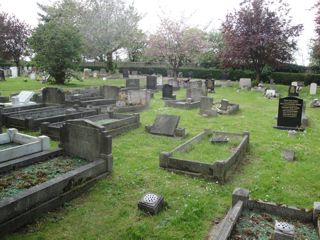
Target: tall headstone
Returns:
[[167, 92], [2, 76], [133, 83], [151, 82], [14, 72], [53, 96], [159, 80], [206, 104], [313, 88], [292, 92], [86, 73], [32, 76], [125, 73], [290, 113]]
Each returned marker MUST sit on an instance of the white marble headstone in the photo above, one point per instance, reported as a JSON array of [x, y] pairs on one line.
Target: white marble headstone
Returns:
[[313, 89], [14, 72], [159, 80], [32, 76], [294, 84]]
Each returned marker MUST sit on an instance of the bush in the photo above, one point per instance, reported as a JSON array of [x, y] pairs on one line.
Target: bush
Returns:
[[287, 78]]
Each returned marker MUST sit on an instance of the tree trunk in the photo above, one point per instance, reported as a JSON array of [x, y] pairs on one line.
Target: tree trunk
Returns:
[[17, 62], [60, 78], [258, 75], [109, 61]]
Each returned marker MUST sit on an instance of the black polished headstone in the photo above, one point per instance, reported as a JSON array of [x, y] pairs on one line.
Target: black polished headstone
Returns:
[[151, 82], [125, 73], [167, 92], [293, 91], [290, 113]]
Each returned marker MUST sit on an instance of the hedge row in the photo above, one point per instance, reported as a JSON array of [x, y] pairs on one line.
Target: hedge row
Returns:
[[284, 78]]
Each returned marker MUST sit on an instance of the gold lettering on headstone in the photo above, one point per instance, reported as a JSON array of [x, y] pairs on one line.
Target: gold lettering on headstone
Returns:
[[290, 108]]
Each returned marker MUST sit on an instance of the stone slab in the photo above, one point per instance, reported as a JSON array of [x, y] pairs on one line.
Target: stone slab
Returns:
[[165, 125]]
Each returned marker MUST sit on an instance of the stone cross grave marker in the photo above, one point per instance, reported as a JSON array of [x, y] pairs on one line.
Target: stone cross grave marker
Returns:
[[165, 125]]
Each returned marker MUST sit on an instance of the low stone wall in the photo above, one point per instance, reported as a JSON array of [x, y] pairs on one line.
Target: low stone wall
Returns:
[[241, 201], [219, 170]]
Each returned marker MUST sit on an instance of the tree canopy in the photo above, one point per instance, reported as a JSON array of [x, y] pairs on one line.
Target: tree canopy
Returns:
[[260, 33], [57, 49]]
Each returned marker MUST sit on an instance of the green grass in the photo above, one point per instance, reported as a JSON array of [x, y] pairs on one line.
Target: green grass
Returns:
[[109, 209], [207, 152]]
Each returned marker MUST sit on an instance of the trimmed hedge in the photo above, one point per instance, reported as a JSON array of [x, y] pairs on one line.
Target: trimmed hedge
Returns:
[[284, 78]]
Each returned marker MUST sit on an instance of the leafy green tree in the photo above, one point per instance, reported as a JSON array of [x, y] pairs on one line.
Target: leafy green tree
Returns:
[[57, 49]]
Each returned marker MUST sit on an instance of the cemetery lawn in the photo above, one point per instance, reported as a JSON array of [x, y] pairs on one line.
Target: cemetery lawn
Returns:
[[207, 152], [109, 209]]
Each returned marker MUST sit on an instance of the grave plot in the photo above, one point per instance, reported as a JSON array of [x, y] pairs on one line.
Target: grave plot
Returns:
[[93, 96], [132, 100], [52, 179], [166, 125], [32, 119], [113, 123], [193, 96], [210, 154], [14, 144], [226, 108], [251, 219]]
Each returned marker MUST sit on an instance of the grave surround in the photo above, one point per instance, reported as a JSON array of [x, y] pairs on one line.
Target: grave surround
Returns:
[[241, 201], [219, 170]]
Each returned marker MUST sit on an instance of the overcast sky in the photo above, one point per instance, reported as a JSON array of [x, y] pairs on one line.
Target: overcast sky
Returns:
[[203, 13]]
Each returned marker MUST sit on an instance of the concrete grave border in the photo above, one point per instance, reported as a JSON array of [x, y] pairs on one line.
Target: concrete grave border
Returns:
[[24, 207], [27, 144], [30, 123], [219, 170], [241, 201], [125, 123]]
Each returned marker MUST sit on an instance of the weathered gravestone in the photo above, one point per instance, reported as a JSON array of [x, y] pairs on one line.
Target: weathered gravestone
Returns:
[[86, 73], [290, 113], [245, 83], [53, 96], [195, 94], [174, 83], [109, 92], [210, 84], [165, 125], [2, 76], [292, 91], [313, 88], [125, 73], [103, 72], [33, 76], [133, 83], [206, 105], [151, 82], [167, 92]]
